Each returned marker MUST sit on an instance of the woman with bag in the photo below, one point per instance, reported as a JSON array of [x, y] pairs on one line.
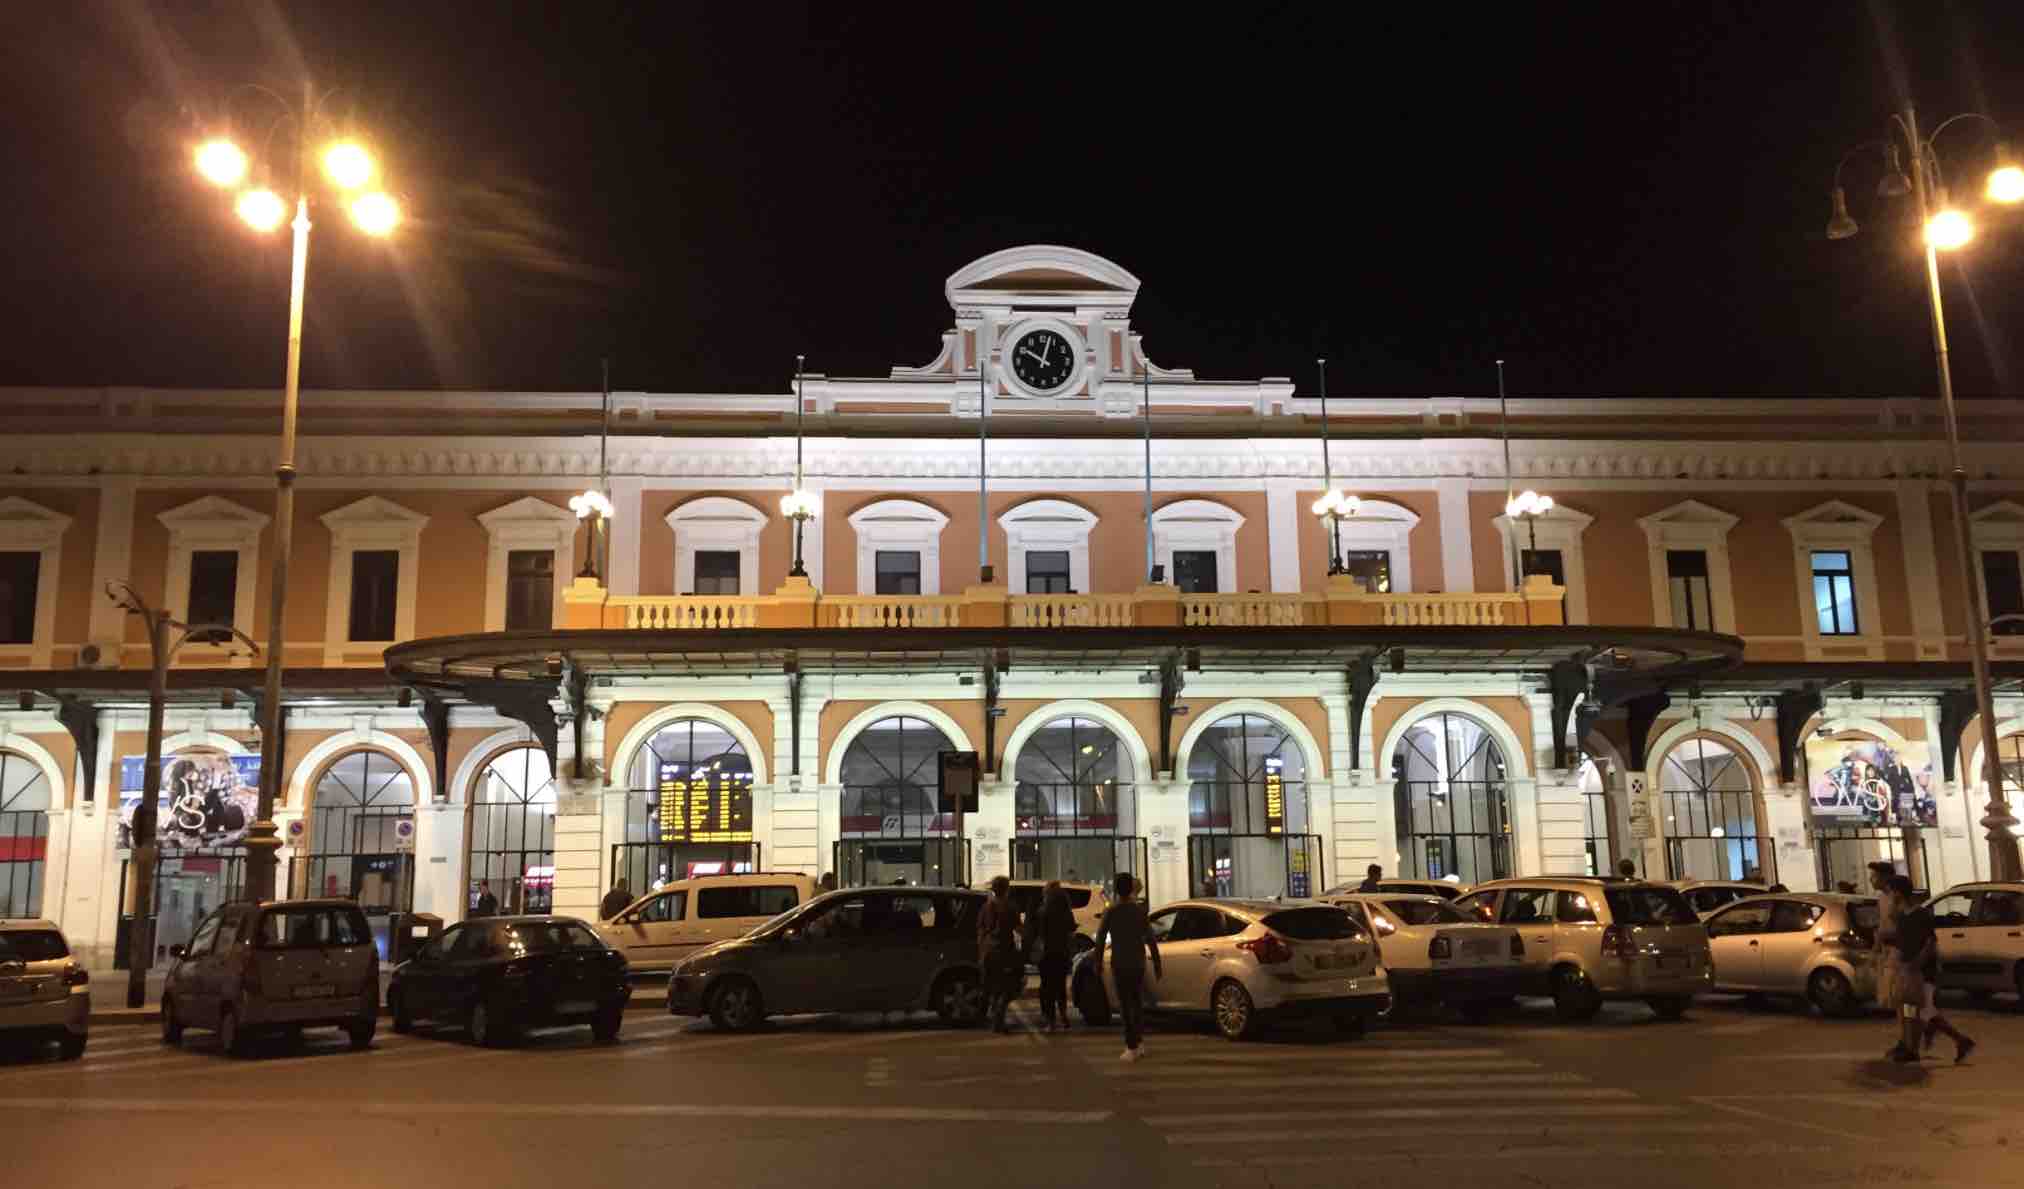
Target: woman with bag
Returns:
[[998, 947], [1054, 924]]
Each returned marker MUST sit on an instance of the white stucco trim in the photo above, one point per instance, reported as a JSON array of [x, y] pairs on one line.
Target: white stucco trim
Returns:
[[1967, 776], [1839, 527], [1998, 528], [310, 768], [213, 524], [1198, 524], [1560, 528], [643, 730], [526, 523], [1381, 524], [1738, 740], [28, 749], [1514, 749], [481, 754], [715, 522], [186, 740], [898, 524], [1141, 758], [369, 523], [833, 769], [28, 527], [1047, 524], [1853, 724], [1209, 715], [1691, 524]]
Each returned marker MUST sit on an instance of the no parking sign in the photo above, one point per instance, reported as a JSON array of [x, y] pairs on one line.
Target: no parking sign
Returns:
[[404, 836]]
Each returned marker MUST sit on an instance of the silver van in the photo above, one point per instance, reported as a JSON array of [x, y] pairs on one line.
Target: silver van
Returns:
[[274, 966]]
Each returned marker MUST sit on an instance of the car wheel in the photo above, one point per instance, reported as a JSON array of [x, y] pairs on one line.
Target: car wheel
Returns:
[[397, 1006], [71, 1046], [959, 999], [1091, 1002], [1670, 1007], [231, 1037], [1829, 991], [604, 1026], [487, 1026], [1236, 1019], [360, 1031], [172, 1024], [735, 1005], [1574, 997]]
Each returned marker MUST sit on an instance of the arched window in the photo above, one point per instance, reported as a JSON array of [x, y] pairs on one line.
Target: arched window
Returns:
[[359, 803], [890, 829], [689, 811], [1074, 804], [1452, 801], [1713, 823], [24, 834], [1599, 834], [512, 836], [1247, 812]]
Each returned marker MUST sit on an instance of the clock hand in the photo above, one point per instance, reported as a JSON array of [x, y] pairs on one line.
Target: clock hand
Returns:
[[1041, 359]]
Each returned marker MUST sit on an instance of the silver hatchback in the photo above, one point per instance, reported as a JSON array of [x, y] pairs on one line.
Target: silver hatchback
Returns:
[[45, 993], [1815, 946]]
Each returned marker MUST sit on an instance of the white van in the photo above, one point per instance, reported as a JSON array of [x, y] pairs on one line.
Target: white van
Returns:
[[661, 928]]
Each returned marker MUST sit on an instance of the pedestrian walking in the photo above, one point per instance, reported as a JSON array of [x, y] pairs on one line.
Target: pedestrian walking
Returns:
[[614, 901], [1627, 868], [488, 904], [1055, 930], [1919, 948], [1371, 875], [998, 946], [1884, 955], [1208, 887], [1845, 886], [1131, 943], [827, 883]]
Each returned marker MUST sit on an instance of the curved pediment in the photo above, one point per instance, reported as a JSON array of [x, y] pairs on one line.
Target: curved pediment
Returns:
[[1024, 272]]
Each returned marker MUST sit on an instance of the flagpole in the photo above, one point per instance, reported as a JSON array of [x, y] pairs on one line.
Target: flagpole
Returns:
[[1146, 418], [983, 437]]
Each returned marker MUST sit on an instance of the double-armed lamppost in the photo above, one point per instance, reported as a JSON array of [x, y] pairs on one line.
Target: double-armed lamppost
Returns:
[[1528, 506], [165, 637], [1332, 506], [594, 503], [1946, 227], [351, 173], [799, 505]]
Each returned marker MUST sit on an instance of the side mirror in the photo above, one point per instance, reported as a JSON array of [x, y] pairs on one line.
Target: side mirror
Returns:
[[177, 951]]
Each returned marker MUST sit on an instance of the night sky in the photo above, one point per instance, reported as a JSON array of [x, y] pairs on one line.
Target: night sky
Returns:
[[1620, 199]]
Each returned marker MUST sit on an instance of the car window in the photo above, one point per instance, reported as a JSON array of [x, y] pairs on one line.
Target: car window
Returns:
[[1574, 908], [347, 927], [1481, 905], [1314, 924], [1648, 906], [1998, 908], [1427, 912], [839, 918], [1524, 906], [206, 934], [1077, 897], [300, 928], [750, 900], [444, 946], [1740, 919], [32, 945], [228, 930], [580, 937], [959, 913], [1793, 916], [1952, 912], [664, 908], [889, 916], [474, 942], [1198, 923], [1161, 926]]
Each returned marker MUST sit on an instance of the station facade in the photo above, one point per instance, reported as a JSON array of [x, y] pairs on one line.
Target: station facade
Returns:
[[1815, 531]]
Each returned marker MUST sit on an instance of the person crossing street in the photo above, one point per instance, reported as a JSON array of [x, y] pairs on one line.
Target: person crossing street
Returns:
[[1130, 936]]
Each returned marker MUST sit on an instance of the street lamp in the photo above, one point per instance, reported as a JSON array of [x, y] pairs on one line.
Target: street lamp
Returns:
[[1333, 505], [799, 505], [349, 168], [1529, 506], [591, 505], [1946, 228]]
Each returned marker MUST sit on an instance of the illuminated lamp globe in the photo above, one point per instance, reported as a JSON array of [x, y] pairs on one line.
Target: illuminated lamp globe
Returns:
[[347, 164], [1949, 229], [2006, 185], [263, 210], [375, 213], [221, 162]]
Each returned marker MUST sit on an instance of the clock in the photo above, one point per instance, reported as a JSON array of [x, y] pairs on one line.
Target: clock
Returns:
[[1044, 360]]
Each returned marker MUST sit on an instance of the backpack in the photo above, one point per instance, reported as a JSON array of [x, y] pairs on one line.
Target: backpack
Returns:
[[1914, 929]]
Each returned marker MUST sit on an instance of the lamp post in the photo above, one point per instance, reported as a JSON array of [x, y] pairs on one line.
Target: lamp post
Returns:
[[799, 505], [1528, 506], [351, 170], [1946, 227], [165, 637], [1332, 506], [592, 505]]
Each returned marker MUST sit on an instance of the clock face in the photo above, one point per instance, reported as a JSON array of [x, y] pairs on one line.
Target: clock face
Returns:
[[1043, 360]]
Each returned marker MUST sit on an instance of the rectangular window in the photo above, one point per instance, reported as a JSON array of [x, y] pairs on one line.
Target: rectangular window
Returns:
[[749, 901], [1371, 568], [1834, 593], [19, 579], [375, 587], [214, 585], [2005, 587], [1544, 561], [897, 572], [530, 590], [1195, 571], [717, 571], [1687, 576], [1047, 571]]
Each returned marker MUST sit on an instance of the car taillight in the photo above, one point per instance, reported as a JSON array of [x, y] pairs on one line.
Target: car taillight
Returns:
[[1440, 948], [1517, 946], [76, 976], [1268, 949], [1616, 942]]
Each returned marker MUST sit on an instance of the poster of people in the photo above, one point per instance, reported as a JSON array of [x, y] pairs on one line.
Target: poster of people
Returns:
[[207, 801], [1862, 782]]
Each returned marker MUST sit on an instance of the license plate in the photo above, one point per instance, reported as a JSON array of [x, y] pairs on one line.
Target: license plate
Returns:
[[315, 991], [575, 1007], [1479, 949]]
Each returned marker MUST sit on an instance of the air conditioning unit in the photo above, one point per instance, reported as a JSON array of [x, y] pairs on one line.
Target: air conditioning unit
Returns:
[[94, 656]]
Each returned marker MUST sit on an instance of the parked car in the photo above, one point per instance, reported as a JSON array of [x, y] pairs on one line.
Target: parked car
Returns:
[[1706, 895], [1435, 953], [860, 949], [660, 929], [1981, 937], [1244, 962], [274, 966], [1445, 889], [501, 977], [1086, 900], [45, 993], [1814, 946], [1590, 939]]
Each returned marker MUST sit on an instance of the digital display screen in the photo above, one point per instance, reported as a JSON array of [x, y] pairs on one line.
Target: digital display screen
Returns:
[[705, 804], [1275, 799]]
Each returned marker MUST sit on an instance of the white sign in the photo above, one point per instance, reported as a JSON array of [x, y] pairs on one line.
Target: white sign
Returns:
[[1166, 850], [1641, 824], [404, 836]]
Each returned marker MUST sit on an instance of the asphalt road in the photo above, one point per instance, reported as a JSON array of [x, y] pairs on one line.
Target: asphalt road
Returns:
[[1730, 1096]]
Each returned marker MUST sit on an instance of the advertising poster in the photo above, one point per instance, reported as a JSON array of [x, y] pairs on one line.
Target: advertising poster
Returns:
[[1862, 782], [207, 801]]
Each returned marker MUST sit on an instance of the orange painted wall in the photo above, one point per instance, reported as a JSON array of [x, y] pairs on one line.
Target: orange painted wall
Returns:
[[76, 586], [1385, 714], [657, 539], [968, 714], [1425, 538]]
